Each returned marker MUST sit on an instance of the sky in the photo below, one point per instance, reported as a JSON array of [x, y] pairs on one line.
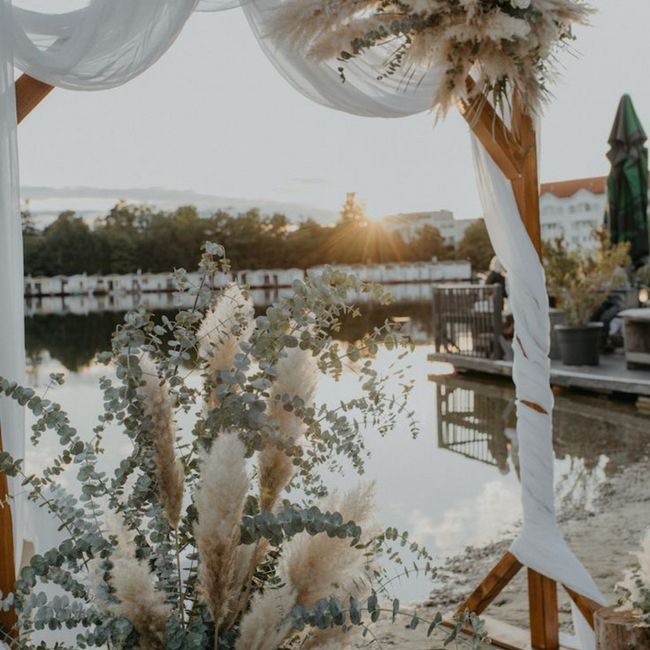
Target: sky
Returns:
[[214, 116]]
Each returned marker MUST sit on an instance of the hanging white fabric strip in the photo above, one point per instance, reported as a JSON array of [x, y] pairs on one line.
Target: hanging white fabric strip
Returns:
[[540, 545], [12, 346], [104, 44]]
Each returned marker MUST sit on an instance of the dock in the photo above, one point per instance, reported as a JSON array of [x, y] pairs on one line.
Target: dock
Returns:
[[468, 327], [610, 377]]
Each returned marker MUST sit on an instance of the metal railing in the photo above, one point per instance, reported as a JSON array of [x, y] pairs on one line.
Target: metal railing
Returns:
[[468, 320]]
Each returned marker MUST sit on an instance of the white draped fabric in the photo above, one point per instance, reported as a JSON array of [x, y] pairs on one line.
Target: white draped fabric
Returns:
[[102, 44], [108, 42]]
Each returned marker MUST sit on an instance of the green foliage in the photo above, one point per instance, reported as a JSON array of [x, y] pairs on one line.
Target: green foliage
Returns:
[[81, 566], [476, 247], [331, 613], [579, 279], [131, 238], [430, 244]]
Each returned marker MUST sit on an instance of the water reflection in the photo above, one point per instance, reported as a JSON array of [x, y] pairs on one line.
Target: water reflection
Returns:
[[73, 329], [593, 438], [456, 485]]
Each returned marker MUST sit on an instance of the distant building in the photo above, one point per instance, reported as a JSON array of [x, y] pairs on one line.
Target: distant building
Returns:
[[574, 209], [409, 224]]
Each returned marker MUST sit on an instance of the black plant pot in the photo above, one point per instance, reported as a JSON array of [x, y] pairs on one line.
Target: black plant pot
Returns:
[[579, 346]]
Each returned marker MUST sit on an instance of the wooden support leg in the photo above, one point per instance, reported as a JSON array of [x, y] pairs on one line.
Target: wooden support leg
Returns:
[[544, 623], [8, 620], [503, 572], [587, 607]]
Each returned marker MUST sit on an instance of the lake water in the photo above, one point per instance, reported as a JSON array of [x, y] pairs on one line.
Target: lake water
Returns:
[[455, 485]]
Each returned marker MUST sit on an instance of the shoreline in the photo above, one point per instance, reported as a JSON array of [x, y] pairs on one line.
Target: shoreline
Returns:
[[604, 538]]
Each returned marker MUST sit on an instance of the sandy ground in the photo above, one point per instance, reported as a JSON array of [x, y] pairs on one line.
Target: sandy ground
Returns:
[[603, 539]]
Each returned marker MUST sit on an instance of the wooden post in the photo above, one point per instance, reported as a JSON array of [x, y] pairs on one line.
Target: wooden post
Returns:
[[30, 93], [514, 150], [544, 622], [8, 620], [620, 630], [503, 572], [526, 186]]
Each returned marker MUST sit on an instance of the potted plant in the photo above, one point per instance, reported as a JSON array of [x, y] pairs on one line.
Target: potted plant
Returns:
[[580, 280]]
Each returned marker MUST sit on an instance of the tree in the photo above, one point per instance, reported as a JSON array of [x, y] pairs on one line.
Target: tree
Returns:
[[131, 238], [475, 246], [65, 247], [353, 211], [428, 244]]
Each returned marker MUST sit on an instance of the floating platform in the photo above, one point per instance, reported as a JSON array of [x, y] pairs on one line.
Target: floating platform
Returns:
[[610, 377]]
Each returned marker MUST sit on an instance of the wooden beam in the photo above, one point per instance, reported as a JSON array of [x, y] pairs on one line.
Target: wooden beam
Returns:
[[544, 621], [30, 93], [493, 583], [8, 620], [493, 134], [526, 187], [587, 607]]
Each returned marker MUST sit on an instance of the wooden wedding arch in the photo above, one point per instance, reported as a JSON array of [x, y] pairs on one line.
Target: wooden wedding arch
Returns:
[[514, 150]]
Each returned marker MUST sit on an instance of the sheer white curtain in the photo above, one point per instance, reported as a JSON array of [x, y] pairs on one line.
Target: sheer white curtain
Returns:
[[95, 45]]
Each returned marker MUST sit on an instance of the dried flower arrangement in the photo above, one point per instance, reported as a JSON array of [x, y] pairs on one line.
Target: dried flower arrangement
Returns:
[[503, 44], [193, 543]]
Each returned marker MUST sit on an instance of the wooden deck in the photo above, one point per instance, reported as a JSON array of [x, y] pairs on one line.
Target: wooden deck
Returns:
[[509, 637], [610, 377]]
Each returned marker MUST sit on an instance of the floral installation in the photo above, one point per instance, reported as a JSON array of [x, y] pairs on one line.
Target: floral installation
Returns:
[[503, 44], [220, 535]]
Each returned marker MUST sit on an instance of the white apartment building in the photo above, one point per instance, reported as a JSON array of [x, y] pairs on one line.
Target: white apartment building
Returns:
[[574, 209], [408, 225]]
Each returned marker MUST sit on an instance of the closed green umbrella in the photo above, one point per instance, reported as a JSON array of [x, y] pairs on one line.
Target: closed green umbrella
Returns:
[[627, 184]]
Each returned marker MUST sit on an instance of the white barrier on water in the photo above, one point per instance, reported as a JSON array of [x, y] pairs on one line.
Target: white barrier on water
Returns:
[[142, 283]]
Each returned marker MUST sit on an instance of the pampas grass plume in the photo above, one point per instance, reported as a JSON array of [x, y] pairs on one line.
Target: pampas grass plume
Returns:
[[320, 566], [296, 377], [220, 501], [267, 623], [138, 600], [170, 473], [312, 568], [224, 327]]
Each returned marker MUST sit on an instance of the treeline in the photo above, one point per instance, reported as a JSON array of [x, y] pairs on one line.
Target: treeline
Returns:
[[131, 238]]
